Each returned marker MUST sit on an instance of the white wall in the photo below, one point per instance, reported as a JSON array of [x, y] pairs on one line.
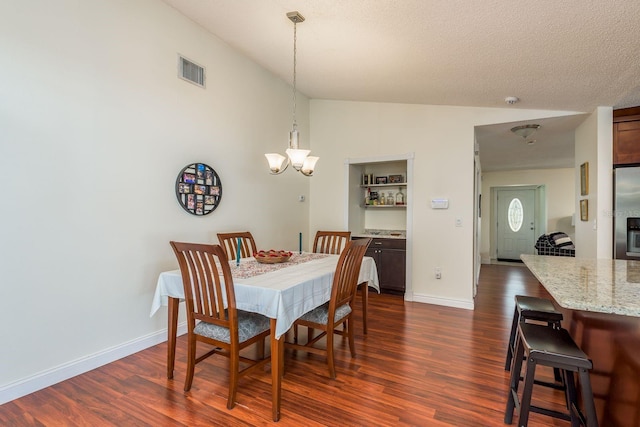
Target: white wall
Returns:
[[560, 200], [594, 143], [94, 128], [442, 139]]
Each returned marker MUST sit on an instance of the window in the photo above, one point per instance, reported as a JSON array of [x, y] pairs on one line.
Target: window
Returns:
[[515, 215]]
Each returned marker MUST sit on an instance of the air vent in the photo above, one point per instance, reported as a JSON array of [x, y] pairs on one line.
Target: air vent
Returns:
[[190, 71]]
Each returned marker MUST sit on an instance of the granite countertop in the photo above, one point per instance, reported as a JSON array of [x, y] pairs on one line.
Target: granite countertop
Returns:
[[381, 234], [599, 285]]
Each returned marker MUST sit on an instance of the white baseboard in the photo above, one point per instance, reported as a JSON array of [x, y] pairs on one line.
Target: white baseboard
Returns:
[[68, 370], [447, 302]]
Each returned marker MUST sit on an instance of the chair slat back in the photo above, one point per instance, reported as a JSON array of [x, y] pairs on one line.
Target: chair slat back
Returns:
[[345, 280], [208, 284], [229, 243], [330, 242]]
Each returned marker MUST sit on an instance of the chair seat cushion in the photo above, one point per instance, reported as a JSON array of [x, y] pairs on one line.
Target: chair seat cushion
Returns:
[[249, 325], [321, 314]]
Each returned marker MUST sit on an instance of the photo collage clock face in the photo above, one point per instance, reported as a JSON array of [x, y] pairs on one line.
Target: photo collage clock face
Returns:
[[198, 189]]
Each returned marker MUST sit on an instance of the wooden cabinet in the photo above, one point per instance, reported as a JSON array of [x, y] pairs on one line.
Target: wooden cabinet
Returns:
[[626, 136], [391, 261]]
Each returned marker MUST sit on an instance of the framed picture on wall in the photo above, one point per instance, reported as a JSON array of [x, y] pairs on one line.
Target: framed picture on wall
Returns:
[[584, 179], [198, 189], [584, 210], [381, 179]]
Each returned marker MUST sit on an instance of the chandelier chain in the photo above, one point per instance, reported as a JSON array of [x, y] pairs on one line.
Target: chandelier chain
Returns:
[[295, 51]]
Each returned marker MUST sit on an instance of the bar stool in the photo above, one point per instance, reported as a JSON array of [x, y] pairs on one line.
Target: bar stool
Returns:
[[623, 399], [531, 308], [554, 348]]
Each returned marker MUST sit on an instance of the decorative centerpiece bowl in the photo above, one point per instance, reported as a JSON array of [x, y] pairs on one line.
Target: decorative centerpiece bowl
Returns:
[[272, 256]]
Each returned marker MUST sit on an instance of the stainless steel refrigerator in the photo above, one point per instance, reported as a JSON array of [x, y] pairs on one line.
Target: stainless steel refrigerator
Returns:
[[626, 219]]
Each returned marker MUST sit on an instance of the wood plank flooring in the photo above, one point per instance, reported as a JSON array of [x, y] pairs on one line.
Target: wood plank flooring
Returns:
[[419, 365]]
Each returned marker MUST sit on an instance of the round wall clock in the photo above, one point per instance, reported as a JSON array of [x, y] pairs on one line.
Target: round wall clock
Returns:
[[198, 189]]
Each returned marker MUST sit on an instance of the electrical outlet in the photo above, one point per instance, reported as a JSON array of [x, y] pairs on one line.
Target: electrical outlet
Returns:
[[438, 273]]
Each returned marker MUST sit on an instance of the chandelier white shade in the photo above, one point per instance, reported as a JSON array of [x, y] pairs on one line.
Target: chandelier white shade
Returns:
[[300, 159]]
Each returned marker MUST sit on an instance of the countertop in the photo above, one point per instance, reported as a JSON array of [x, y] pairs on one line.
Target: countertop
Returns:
[[599, 285], [381, 234]]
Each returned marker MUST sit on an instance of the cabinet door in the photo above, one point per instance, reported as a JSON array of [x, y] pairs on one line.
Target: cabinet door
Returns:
[[392, 269], [626, 142]]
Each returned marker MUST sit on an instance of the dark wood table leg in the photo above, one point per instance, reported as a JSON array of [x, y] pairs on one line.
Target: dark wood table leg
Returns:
[[277, 364], [172, 331]]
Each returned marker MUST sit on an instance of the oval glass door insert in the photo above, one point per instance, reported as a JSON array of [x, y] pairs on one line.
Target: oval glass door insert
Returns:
[[515, 215]]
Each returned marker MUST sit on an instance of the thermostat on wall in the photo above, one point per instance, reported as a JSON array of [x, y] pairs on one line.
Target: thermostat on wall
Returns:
[[439, 203]]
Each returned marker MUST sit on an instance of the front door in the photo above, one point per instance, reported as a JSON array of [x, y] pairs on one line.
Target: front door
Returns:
[[516, 219]]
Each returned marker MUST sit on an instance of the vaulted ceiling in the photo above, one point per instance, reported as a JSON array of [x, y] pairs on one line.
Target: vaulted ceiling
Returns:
[[571, 55]]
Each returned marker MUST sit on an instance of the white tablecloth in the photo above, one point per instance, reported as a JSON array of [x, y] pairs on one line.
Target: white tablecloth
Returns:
[[285, 294]]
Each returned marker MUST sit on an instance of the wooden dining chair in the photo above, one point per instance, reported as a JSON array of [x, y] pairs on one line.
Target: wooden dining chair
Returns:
[[229, 243], [332, 242], [212, 316], [337, 310]]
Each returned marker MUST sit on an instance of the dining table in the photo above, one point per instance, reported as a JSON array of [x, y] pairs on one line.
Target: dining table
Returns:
[[283, 292]]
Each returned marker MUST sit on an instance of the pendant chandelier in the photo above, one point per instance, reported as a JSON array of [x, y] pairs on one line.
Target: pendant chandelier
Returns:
[[300, 159]]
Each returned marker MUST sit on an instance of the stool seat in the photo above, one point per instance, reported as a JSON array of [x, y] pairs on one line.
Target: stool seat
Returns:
[[555, 348], [535, 309]]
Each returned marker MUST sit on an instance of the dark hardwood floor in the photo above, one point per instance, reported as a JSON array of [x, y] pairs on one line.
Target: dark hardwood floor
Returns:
[[419, 365]]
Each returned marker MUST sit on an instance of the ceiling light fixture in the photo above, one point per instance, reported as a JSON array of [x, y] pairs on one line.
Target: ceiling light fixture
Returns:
[[300, 159], [525, 131]]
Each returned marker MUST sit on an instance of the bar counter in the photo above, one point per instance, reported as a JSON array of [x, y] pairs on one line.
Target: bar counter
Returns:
[[600, 300], [596, 285]]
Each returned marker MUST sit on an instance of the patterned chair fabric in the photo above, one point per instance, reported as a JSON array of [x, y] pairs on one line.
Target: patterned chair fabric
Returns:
[[321, 314], [249, 325]]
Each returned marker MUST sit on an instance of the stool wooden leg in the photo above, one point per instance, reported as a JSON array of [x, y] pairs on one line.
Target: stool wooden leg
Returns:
[[572, 399], [512, 340], [587, 398], [567, 397], [514, 382], [525, 403], [556, 371]]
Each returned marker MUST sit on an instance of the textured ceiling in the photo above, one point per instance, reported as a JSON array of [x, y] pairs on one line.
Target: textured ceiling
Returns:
[[571, 55]]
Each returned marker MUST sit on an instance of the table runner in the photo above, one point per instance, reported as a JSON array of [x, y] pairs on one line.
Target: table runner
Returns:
[[249, 267]]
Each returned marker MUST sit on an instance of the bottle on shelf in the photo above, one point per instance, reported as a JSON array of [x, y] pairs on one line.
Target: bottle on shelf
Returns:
[[390, 199], [367, 197], [400, 197]]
